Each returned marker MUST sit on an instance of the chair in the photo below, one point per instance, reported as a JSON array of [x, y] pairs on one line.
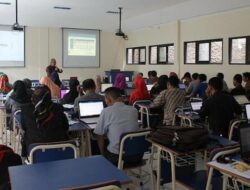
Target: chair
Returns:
[[133, 145], [44, 152], [235, 124]]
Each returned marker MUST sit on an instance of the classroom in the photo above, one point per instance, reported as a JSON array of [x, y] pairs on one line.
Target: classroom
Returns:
[[121, 94]]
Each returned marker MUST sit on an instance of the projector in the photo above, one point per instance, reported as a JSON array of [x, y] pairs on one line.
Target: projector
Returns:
[[119, 33], [17, 27]]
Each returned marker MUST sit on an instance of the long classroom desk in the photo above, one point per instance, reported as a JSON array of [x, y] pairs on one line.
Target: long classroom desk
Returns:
[[63, 174]]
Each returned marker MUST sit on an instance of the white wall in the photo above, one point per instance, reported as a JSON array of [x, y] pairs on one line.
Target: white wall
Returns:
[[45, 43], [223, 25]]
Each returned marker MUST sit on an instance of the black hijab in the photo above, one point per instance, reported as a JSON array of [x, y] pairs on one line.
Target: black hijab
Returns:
[[20, 94], [70, 97]]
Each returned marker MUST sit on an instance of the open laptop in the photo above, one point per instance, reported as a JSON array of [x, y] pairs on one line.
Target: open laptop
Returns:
[[196, 106], [63, 92], [245, 143], [241, 99], [182, 86], [149, 86], [104, 86], [90, 110]]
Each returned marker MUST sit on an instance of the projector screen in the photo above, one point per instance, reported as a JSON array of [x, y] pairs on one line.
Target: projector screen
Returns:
[[81, 48], [11, 47]]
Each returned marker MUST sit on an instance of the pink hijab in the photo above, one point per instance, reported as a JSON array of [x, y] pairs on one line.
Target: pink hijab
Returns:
[[120, 81], [55, 90]]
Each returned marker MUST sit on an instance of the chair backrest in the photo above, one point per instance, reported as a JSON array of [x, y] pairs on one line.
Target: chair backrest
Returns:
[[45, 152], [133, 144]]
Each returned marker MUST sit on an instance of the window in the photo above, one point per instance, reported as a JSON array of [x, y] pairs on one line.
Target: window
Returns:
[[81, 48], [136, 55], [203, 52], [239, 50], [12, 47], [161, 54]]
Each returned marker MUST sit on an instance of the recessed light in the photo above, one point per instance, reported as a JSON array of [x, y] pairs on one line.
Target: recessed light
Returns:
[[5, 3], [63, 8]]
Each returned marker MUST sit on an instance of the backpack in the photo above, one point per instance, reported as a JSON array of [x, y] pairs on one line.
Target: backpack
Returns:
[[181, 138], [7, 158]]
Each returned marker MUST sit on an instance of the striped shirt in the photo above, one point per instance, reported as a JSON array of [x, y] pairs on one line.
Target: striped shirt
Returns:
[[170, 99]]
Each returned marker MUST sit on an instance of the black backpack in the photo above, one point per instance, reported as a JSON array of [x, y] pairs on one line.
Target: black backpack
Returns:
[[7, 158], [181, 138]]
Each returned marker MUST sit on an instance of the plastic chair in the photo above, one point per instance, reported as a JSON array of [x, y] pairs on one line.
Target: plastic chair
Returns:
[[45, 152], [133, 146]]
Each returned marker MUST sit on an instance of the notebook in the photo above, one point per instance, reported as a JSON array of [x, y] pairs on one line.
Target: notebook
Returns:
[[241, 99], [245, 143], [196, 106], [63, 92], [90, 110]]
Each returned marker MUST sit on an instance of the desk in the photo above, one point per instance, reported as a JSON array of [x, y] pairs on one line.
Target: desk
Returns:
[[173, 154], [65, 174]]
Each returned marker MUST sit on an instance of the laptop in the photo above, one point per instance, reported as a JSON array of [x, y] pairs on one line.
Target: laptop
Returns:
[[196, 106], [241, 99], [149, 86], [104, 86], [247, 106], [245, 143], [63, 92], [182, 86], [90, 110]]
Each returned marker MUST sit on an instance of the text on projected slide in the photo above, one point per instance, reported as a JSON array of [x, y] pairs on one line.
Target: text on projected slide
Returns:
[[81, 45], [11, 46]]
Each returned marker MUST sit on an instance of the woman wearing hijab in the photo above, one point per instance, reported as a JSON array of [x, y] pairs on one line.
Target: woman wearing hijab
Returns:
[[43, 121], [73, 93], [55, 90], [120, 82], [5, 86], [140, 92]]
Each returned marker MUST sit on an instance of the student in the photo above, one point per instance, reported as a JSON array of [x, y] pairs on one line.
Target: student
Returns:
[[73, 93], [193, 84], [219, 107], [114, 121], [28, 85], [55, 90], [200, 90], [120, 82], [170, 99], [239, 89], [160, 86], [89, 88], [246, 79], [98, 84], [186, 79], [225, 87], [152, 77], [5, 86], [42, 121], [140, 92]]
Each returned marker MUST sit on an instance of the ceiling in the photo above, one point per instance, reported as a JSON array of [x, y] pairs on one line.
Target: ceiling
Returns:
[[92, 14]]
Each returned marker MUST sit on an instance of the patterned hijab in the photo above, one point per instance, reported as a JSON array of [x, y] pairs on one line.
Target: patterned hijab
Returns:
[[120, 81]]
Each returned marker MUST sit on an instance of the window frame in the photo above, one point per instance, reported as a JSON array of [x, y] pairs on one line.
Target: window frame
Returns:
[[133, 49], [197, 43], [158, 54], [247, 58]]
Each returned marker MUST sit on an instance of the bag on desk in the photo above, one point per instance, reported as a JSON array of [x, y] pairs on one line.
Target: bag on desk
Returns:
[[181, 138], [7, 158]]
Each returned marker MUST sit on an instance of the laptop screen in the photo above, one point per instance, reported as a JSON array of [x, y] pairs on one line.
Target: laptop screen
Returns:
[[182, 86], [196, 106], [63, 92], [105, 86], [149, 86], [90, 108], [241, 99], [248, 111], [245, 140]]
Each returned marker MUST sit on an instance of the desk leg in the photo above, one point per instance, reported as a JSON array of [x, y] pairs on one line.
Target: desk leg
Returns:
[[225, 179], [173, 171], [88, 140], [209, 179], [158, 177]]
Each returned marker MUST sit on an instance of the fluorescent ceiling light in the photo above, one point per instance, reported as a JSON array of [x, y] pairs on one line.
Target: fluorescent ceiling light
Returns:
[[63, 8]]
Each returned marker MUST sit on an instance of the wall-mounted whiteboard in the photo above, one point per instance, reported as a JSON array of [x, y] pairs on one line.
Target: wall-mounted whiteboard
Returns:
[[81, 48], [11, 47]]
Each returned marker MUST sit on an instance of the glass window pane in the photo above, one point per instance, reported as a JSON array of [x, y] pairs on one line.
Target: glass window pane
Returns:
[[190, 53], [142, 55], [171, 54], [238, 51], [136, 56], [130, 56], [162, 54], [216, 52], [204, 52], [153, 55]]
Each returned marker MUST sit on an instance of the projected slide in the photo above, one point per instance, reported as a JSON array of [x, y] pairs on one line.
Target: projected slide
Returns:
[[81, 45], [11, 46]]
